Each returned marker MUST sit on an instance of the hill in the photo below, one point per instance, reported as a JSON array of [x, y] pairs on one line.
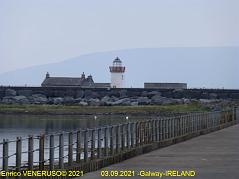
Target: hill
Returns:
[[211, 67]]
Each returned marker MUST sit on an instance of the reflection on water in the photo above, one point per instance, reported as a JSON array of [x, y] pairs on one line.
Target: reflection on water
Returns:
[[12, 126]]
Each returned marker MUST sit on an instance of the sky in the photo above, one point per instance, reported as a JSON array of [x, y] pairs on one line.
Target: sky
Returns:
[[46, 31]]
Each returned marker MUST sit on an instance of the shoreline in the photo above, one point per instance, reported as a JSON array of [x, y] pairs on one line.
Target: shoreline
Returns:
[[13, 109]]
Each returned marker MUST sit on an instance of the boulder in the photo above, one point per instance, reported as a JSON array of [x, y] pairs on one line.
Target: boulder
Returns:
[[162, 100], [156, 99], [8, 100], [134, 103], [58, 100], [10, 92], [38, 99], [78, 100], [94, 102], [21, 99], [106, 99], [69, 100], [83, 103], [143, 100], [124, 101]]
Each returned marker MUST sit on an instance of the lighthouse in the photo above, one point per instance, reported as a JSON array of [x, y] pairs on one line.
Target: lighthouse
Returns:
[[117, 74]]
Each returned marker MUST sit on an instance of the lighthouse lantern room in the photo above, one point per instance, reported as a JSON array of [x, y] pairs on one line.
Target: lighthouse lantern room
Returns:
[[117, 74]]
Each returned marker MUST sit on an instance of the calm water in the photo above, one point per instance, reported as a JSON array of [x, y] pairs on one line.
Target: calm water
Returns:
[[12, 126]]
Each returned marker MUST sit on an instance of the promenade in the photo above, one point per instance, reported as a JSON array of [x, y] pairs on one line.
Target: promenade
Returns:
[[211, 156]]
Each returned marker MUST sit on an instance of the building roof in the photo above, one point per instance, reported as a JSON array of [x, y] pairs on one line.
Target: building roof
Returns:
[[68, 81], [117, 60]]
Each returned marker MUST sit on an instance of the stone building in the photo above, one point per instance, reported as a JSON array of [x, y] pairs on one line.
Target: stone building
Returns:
[[83, 81]]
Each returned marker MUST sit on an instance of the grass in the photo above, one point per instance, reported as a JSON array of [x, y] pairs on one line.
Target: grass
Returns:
[[76, 109]]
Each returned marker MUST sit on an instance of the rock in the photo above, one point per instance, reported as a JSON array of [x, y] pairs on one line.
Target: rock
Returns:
[[50, 101], [156, 99], [143, 100], [38, 99], [8, 100], [205, 101], [21, 99], [58, 100], [82, 103], [78, 100], [162, 100], [124, 101], [94, 102], [186, 101], [26, 93], [106, 99], [10, 92], [134, 103], [113, 99], [69, 100]]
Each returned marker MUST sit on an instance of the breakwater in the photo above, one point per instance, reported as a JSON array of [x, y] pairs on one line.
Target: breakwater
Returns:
[[107, 96]]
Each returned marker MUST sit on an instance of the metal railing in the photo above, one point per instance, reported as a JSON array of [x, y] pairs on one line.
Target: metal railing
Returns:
[[69, 149]]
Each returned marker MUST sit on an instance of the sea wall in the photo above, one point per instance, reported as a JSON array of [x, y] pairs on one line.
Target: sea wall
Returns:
[[106, 96]]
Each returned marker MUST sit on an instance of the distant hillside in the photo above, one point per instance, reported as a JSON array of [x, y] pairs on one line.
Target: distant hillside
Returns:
[[199, 67]]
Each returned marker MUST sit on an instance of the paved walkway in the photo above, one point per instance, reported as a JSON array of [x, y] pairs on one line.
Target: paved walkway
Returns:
[[211, 156]]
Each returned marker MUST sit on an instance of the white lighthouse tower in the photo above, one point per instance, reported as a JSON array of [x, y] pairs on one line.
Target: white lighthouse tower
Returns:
[[117, 74]]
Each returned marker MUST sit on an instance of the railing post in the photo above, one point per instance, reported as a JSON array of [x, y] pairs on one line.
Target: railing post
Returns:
[[112, 140], [132, 134], [160, 129], [167, 127], [41, 152], [85, 145], [163, 129], [70, 149], [155, 138], [5, 155], [99, 143], [137, 134], [151, 131], [122, 137], [145, 131], [141, 132], [52, 152], [78, 146], [61, 151], [93, 144], [106, 138], [30, 152], [234, 113], [117, 138], [127, 136], [18, 153]]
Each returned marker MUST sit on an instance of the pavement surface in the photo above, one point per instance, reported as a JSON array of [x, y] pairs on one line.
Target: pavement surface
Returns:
[[211, 156]]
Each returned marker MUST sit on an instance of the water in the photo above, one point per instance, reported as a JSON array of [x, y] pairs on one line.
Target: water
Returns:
[[13, 126]]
